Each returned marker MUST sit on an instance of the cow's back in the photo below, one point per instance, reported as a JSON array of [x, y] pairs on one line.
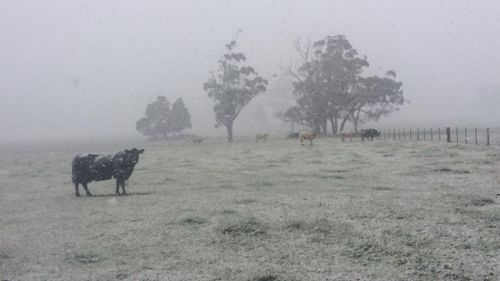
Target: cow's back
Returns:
[[91, 167], [306, 135]]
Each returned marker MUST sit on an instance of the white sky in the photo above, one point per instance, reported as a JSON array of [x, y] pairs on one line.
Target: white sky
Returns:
[[87, 69]]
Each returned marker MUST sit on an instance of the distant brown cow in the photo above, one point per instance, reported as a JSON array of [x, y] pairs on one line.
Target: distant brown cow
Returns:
[[307, 135], [261, 137], [349, 135]]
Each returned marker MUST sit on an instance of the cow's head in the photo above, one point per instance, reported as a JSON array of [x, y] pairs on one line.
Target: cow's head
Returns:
[[133, 155]]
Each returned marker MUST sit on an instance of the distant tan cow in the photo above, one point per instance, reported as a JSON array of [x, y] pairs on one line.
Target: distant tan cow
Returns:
[[261, 137], [307, 135], [348, 135]]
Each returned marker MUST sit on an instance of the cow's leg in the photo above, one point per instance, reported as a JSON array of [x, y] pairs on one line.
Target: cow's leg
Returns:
[[77, 192], [117, 187], [311, 142], [123, 188], [86, 189]]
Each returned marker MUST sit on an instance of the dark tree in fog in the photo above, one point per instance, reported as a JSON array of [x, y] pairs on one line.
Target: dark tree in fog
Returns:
[[375, 97], [329, 87], [232, 87], [179, 117], [156, 121]]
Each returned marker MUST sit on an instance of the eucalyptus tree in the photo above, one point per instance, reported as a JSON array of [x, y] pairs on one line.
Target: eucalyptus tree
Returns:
[[330, 87], [232, 87]]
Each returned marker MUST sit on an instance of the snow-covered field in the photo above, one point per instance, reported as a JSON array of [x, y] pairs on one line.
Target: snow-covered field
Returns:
[[246, 211]]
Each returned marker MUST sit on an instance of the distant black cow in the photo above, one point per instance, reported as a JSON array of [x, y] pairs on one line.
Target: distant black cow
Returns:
[[293, 135], [369, 134], [97, 167]]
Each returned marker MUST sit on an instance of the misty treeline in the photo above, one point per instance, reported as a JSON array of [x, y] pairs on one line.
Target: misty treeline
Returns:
[[330, 88], [161, 120]]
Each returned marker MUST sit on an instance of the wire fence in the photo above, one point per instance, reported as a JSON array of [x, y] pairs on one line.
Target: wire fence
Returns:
[[472, 136]]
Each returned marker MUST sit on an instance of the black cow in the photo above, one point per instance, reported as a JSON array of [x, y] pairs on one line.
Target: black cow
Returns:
[[369, 134], [97, 167]]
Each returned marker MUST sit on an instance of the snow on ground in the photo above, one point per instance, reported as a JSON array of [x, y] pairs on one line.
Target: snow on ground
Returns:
[[246, 211]]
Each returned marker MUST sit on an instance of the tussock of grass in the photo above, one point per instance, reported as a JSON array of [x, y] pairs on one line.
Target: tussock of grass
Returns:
[[335, 177], [3, 255], [296, 225], [87, 258], [481, 201], [447, 170], [382, 188], [228, 212], [262, 184], [240, 226], [245, 201], [266, 278], [121, 276], [193, 220], [335, 171]]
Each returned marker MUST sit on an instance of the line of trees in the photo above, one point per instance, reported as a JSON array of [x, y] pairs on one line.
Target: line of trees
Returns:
[[161, 121], [329, 87]]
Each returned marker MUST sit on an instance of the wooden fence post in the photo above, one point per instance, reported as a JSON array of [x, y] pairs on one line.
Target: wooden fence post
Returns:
[[404, 135], [475, 134], [393, 134], [424, 134], [456, 133], [488, 136], [465, 132], [399, 134], [410, 135], [448, 134], [418, 134], [439, 134], [384, 135]]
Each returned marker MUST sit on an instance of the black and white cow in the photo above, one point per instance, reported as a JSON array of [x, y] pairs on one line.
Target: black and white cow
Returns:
[[369, 134], [97, 167]]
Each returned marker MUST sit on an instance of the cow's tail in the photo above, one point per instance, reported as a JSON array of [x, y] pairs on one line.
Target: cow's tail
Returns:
[[74, 170]]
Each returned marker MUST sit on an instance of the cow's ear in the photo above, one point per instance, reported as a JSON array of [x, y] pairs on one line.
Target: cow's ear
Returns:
[[141, 151], [127, 151]]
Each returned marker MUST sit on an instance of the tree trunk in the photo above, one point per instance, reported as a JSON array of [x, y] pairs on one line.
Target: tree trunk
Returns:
[[355, 121], [323, 127], [229, 132], [334, 122], [342, 125]]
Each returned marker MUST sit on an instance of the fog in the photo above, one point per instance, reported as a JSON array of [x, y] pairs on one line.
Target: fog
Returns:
[[87, 69]]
